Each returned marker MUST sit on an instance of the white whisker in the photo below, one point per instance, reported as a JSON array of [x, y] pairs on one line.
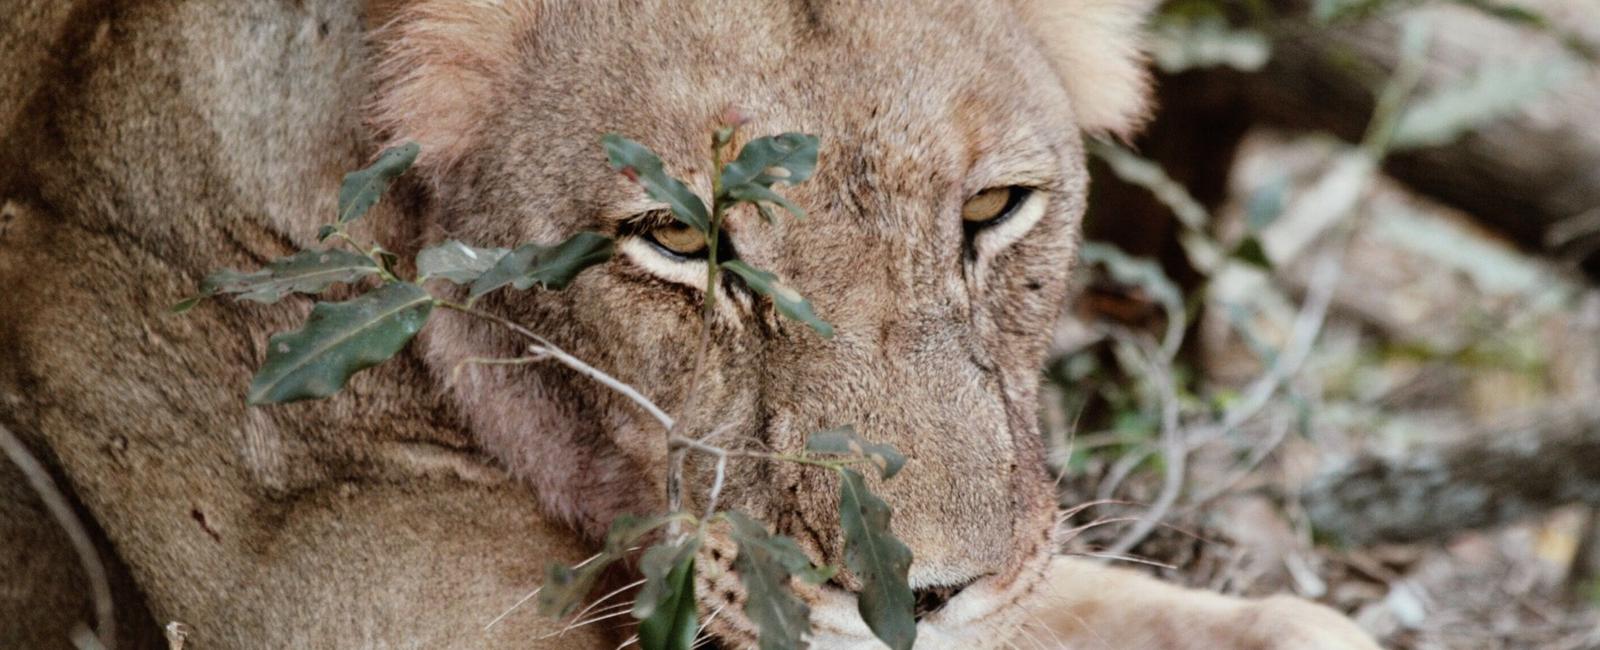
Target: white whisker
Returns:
[[590, 621], [607, 597], [701, 636], [513, 608], [1128, 558]]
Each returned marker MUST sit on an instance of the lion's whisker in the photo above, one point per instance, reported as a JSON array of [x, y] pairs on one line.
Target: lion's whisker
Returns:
[[703, 637], [605, 598], [1128, 558], [589, 621], [513, 608]]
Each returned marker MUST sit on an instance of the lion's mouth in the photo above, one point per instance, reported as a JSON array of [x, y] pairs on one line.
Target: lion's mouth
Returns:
[[931, 600]]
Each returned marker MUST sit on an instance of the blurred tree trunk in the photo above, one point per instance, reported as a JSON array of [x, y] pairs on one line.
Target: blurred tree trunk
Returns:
[[1534, 181], [1544, 462]]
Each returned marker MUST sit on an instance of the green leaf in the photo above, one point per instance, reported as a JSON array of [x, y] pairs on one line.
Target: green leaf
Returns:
[[657, 565], [675, 620], [362, 189], [566, 587], [457, 262], [551, 266], [1251, 252], [764, 564], [640, 164], [758, 195], [788, 158], [626, 530], [325, 232], [788, 302], [845, 441], [186, 304], [339, 340], [880, 561], [303, 272]]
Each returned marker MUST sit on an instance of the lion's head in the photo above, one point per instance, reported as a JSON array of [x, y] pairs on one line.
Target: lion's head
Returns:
[[943, 225]]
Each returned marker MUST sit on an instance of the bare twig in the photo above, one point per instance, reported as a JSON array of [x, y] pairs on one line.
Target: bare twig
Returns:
[[542, 346], [1174, 449], [56, 503], [1307, 328], [1280, 431], [703, 350]]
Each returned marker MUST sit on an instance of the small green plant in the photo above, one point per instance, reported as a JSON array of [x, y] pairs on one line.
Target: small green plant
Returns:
[[343, 338]]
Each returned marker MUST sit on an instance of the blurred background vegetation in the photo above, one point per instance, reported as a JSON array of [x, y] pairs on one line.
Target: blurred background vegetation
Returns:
[[1337, 323]]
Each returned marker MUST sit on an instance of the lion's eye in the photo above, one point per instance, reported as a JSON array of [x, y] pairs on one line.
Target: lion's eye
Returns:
[[679, 240], [993, 205]]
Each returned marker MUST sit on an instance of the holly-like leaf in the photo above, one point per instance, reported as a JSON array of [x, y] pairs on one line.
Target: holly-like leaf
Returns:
[[554, 267], [657, 565], [457, 262], [303, 272], [846, 442], [641, 165], [789, 302], [566, 587], [339, 340], [674, 621], [879, 560], [764, 563], [788, 158], [760, 196], [362, 189]]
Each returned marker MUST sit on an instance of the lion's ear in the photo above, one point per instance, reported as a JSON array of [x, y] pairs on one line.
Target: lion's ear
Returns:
[[1098, 50], [441, 65]]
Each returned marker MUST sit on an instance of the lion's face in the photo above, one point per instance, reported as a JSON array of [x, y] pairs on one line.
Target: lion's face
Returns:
[[942, 229]]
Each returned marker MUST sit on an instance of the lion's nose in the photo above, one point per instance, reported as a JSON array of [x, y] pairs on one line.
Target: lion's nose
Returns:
[[932, 599]]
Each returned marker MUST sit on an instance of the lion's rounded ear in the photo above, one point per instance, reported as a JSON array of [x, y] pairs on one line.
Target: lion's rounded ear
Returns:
[[440, 67], [1097, 48]]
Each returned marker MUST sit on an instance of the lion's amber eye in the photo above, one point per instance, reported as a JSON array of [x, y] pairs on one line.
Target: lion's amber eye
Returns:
[[679, 239], [991, 205]]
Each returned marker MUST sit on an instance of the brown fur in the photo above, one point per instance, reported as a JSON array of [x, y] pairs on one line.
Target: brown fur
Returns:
[[179, 137]]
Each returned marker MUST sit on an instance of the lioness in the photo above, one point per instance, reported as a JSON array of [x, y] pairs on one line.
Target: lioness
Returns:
[[143, 144]]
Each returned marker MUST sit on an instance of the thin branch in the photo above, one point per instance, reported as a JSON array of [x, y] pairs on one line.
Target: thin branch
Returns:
[[716, 487], [542, 346], [1175, 452], [1257, 455], [61, 511], [1306, 329], [707, 315]]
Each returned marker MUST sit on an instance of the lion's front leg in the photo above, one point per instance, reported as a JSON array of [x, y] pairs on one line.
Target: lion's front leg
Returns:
[[1093, 607]]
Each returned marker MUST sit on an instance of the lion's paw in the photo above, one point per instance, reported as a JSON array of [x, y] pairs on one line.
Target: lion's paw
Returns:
[[1289, 623]]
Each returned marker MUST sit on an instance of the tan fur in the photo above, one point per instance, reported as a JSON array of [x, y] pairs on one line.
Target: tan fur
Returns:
[[412, 512], [1096, 46]]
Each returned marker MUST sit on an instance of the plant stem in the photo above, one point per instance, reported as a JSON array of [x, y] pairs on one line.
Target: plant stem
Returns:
[[543, 346], [707, 313], [371, 252]]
